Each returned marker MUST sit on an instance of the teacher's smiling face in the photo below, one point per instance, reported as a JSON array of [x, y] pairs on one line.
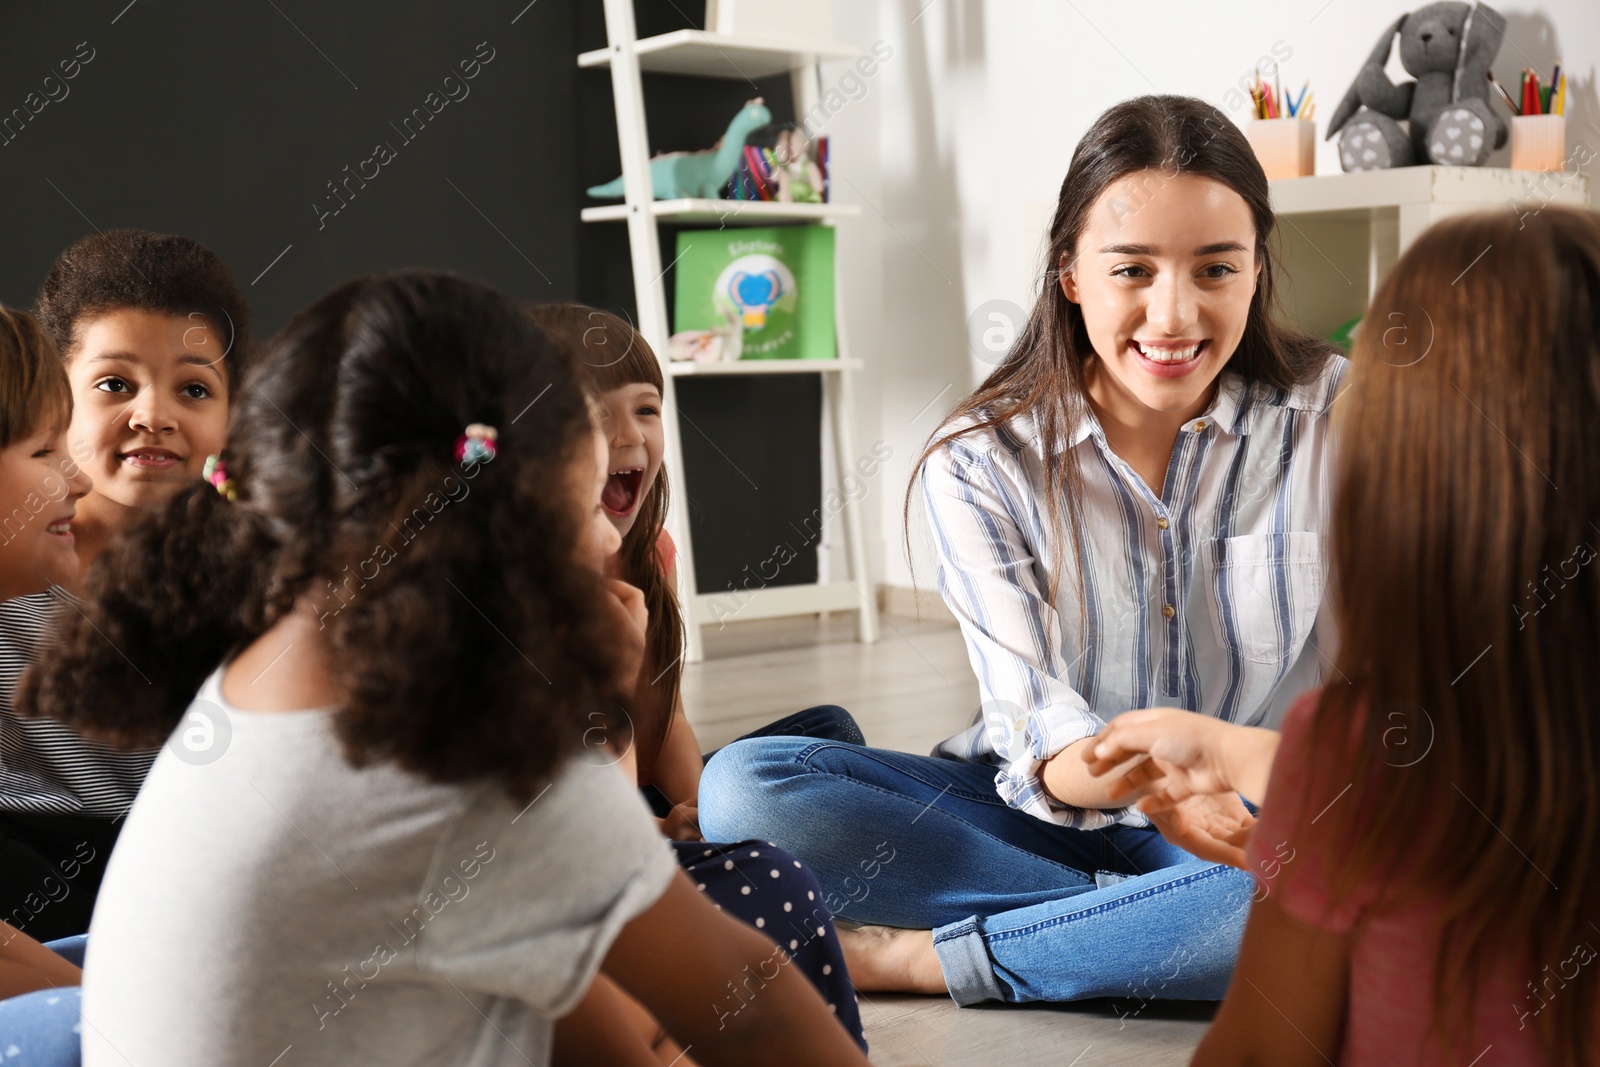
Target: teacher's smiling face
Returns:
[[1165, 271]]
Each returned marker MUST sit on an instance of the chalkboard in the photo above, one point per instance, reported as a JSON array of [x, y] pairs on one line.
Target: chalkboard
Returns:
[[235, 123]]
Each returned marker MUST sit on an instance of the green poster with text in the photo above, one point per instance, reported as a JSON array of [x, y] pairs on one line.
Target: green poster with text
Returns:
[[776, 282]]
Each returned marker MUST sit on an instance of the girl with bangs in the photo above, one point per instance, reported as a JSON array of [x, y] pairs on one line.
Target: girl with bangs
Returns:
[[763, 885], [626, 377], [40, 488]]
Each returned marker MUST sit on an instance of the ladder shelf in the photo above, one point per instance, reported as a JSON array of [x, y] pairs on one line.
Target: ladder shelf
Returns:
[[743, 57]]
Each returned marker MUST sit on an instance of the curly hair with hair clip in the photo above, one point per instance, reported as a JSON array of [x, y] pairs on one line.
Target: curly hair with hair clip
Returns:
[[612, 354], [466, 638]]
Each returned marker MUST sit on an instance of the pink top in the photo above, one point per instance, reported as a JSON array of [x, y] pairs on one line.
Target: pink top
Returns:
[[666, 551], [1390, 1001]]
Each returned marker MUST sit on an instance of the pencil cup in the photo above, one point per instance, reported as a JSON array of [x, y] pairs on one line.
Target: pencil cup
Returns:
[[1287, 148], [1538, 142]]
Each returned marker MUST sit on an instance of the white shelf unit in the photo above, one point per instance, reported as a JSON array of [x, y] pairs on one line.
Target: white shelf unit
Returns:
[[763, 366], [696, 52], [738, 212], [716, 55], [1338, 234]]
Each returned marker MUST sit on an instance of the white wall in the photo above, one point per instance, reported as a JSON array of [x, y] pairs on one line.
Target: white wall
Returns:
[[964, 135]]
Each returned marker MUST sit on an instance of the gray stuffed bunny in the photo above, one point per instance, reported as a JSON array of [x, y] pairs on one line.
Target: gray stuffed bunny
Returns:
[[1447, 47]]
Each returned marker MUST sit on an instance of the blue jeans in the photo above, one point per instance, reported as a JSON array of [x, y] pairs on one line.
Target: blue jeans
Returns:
[[42, 1026], [1021, 909], [825, 721]]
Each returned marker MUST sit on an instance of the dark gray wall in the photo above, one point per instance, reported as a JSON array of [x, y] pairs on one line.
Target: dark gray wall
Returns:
[[226, 121]]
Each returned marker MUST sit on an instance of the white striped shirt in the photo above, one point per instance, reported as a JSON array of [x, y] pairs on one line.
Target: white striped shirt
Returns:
[[1206, 597], [47, 768]]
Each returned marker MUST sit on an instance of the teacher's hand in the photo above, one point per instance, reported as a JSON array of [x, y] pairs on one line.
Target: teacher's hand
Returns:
[[1184, 755]]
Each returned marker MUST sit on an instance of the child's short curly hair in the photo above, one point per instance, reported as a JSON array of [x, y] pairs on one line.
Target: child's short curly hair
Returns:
[[145, 271]]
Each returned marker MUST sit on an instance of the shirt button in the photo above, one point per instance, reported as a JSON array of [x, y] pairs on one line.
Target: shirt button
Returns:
[[1162, 523], [1168, 610], [1200, 425]]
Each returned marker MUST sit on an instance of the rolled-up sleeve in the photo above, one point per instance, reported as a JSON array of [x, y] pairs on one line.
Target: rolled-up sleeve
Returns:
[[985, 521]]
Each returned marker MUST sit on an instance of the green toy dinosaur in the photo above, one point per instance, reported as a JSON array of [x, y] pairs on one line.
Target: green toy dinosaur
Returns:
[[697, 174]]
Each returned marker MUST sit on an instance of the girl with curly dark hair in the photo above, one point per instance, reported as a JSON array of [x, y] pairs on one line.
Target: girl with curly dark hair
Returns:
[[376, 642]]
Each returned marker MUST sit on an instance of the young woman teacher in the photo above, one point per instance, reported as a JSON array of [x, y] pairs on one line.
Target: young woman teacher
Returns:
[[1128, 513]]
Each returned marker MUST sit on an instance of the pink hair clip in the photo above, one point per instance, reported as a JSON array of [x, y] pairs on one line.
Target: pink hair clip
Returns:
[[477, 444], [216, 472]]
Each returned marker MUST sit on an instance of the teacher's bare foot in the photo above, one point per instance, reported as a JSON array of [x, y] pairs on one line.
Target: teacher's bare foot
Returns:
[[885, 959]]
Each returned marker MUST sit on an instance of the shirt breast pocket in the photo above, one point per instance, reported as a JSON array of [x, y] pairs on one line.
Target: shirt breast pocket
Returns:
[[1265, 590]]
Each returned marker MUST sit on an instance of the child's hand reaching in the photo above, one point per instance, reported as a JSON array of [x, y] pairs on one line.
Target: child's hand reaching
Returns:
[[629, 619], [683, 823], [1188, 773], [1216, 828]]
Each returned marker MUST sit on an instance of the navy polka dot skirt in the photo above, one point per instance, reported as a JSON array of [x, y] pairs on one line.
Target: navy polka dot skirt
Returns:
[[769, 889]]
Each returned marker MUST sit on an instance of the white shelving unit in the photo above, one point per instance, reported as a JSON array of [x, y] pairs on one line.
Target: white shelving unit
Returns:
[[1338, 234], [723, 211], [763, 366], [717, 55], [710, 55]]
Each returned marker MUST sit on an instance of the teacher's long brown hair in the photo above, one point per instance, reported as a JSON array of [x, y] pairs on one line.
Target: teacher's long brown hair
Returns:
[[1465, 502], [1043, 374]]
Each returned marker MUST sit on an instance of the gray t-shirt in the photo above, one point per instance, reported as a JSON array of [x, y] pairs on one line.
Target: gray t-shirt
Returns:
[[276, 906]]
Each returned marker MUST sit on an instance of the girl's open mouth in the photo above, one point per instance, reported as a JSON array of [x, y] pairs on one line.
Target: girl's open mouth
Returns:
[[151, 459], [621, 493], [61, 529], [1167, 360]]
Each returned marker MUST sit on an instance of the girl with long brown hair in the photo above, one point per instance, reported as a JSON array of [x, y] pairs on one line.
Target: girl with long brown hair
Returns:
[[1128, 512], [1429, 846], [753, 880], [625, 376]]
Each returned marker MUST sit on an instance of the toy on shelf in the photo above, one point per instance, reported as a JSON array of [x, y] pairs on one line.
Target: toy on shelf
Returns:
[[725, 342], [1447, 48], [674, 175], [781, 162]]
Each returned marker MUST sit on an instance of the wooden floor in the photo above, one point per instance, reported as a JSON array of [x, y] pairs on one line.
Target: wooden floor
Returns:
[[909, 691]]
